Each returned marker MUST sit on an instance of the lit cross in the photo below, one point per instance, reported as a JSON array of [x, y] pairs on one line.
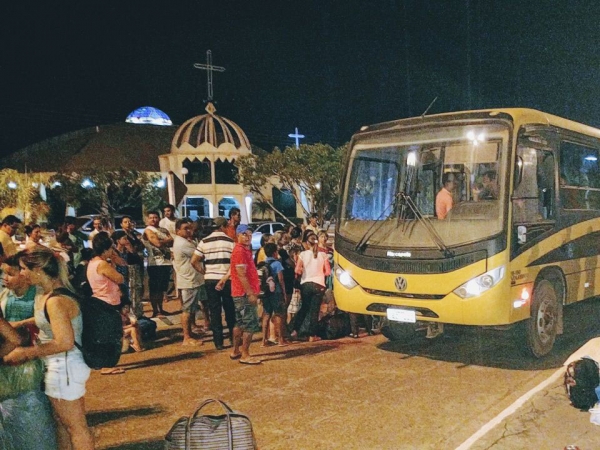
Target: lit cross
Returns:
[[297, 137], [209, 69]]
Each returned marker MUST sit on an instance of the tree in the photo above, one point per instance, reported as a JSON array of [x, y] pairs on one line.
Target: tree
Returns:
[[109, 191], [312, 169], [20, 193]]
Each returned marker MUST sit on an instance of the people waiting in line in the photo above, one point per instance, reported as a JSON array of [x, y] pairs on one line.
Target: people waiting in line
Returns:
[[313, 266], [245, 287], [60, 323], [214, 252], [158, 244], [8, 228], [105, 279], [33, 235], [274, 303], [190, 278]]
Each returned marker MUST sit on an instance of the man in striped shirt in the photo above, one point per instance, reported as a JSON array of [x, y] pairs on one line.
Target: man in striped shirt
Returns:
[[215, 252]]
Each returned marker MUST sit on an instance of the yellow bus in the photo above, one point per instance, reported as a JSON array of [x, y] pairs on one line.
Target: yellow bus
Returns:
[[485, 218]]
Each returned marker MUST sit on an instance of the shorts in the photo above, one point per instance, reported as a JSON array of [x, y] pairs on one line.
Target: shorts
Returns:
[[190, 299], [246, 317], [158, 279], [66, 376], [274, 304]]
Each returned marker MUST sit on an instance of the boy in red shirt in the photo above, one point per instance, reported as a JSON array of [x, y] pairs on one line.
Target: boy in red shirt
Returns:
[[245, 287]]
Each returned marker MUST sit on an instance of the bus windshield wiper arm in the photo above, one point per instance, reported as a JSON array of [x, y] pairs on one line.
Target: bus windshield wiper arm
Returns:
[[377, 224], [437, 240]]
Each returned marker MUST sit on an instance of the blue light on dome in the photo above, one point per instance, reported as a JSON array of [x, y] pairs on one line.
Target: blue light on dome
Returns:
[[149, 115]]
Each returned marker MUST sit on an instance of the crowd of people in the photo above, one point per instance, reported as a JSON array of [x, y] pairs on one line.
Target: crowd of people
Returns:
[[278, 291]]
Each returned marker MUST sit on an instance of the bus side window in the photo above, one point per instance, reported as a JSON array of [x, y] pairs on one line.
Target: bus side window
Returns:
[[579, 176]]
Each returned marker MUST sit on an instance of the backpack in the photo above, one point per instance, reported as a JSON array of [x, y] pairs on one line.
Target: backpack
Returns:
[[582, 377], [102, 333], [334, 326], [267, 282]]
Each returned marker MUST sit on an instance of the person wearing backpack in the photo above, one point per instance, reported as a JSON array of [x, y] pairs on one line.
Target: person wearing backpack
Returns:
[[275, 301], [66, 371]]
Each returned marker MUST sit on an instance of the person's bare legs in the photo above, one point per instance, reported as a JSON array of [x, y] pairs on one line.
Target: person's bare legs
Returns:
[[265, 329], [279, 325], [237, 342], [186, 324], [70, 416], [245, 349], [136, 337]]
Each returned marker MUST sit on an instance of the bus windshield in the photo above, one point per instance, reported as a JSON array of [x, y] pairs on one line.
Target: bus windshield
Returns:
[[453, 176]]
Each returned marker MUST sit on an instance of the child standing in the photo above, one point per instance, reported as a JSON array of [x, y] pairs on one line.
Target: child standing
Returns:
[[274, 303]]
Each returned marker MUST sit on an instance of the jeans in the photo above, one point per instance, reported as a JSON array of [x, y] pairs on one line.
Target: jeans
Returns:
[[218, 300], [312, 296]]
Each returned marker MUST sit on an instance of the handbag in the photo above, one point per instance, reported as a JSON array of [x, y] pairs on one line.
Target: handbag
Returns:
[[295, 302], [232, 431], [17, 380]]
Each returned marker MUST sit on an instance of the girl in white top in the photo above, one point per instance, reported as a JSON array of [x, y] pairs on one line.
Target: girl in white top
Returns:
[[313, 266]]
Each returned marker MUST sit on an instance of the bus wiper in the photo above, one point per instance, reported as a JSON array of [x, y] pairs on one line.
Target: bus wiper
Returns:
[[377, 224], [435, 237]]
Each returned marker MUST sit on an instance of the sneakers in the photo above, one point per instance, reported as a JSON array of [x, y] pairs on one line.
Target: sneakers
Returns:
[[434, 329]]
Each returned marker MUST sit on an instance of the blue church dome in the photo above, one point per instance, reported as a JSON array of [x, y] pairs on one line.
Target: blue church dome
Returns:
[[149, 115]]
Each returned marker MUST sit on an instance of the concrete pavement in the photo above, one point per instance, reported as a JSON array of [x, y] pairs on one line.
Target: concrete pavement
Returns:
[[362, 394]]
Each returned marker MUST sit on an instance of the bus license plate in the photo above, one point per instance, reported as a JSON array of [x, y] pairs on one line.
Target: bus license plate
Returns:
[[401, 315]]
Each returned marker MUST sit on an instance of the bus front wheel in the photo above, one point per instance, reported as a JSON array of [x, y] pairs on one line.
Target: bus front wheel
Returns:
[[543, 324], [397, 331]]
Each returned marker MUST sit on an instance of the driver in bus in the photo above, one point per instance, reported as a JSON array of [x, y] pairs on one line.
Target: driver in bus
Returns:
[[443, 200]]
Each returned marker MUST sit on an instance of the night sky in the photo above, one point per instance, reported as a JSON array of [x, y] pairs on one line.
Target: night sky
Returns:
[[327, 67]]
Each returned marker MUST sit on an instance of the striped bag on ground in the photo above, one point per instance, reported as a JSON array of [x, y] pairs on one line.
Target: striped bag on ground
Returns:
[[231, 431]]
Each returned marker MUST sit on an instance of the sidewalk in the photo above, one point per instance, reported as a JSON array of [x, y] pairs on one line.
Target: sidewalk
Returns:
[[547, 420]]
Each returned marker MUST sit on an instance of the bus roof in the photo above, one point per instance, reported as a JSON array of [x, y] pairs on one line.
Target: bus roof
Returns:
[[519, 116]]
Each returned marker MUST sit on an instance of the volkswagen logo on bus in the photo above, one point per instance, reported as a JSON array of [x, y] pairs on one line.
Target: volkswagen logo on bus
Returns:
[[400, 283]]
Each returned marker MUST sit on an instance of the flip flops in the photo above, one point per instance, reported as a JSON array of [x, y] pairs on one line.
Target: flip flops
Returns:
[[234, 357], [112, 371], [251, 361]]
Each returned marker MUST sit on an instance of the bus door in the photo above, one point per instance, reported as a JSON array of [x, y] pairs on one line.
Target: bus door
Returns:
[[534, 194]]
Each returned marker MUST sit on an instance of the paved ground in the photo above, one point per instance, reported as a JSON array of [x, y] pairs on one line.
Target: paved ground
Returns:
[[351, 394]]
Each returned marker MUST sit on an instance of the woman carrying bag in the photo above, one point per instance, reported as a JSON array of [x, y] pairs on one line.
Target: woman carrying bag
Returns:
[[313, 266]]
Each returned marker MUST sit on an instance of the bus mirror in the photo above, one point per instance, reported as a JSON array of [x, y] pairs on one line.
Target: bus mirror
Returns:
[[518, 171]]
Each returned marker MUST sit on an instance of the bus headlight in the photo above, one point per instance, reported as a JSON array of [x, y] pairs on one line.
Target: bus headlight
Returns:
[[480, 284], [345, 278]]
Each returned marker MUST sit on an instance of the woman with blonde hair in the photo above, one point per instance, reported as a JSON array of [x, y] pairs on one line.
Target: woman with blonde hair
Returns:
[[59, 319]]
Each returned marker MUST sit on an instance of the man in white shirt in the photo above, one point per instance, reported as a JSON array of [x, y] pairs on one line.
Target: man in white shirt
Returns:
[[168, 223], [97, 224], [190, 278], [158, 242], [169, 220]]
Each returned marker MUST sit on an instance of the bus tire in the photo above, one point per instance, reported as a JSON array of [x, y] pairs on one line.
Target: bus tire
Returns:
[[397, 331], [542, 325]]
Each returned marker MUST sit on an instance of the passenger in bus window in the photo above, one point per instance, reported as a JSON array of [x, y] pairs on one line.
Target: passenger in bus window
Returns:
[[488, 189], [443, 199]]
